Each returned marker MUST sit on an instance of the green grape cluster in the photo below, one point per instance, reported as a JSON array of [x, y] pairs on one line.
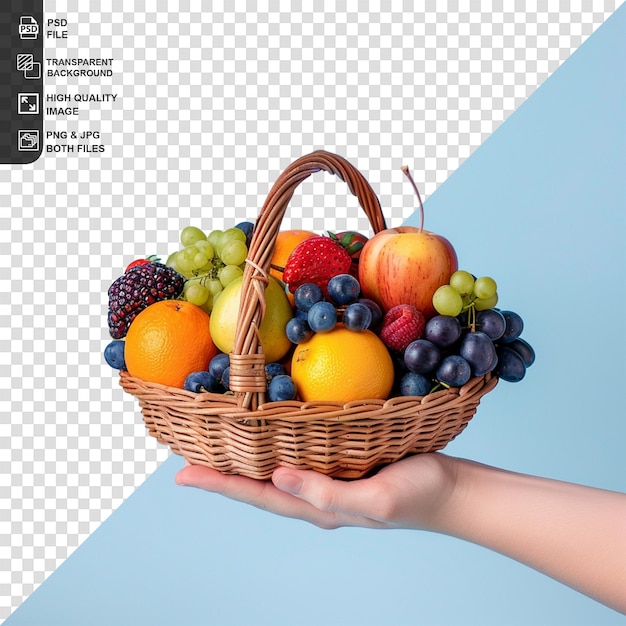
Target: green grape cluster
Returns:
[[208, 262], [465, 292]]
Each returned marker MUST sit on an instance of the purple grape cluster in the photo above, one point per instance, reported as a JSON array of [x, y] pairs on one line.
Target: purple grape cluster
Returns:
[[454, 349]]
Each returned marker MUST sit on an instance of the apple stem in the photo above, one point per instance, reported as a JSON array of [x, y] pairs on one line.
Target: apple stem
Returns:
[[405, 169]]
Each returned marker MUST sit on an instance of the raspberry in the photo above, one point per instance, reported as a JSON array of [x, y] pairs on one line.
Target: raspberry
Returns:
[[138, 288], [402, 324]]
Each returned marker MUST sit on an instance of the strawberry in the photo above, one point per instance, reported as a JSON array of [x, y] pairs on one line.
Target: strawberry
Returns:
[[316, 260], [353, 242], [138, 262]]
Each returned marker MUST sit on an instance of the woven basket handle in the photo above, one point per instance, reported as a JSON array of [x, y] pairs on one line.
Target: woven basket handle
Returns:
[[247, 366]]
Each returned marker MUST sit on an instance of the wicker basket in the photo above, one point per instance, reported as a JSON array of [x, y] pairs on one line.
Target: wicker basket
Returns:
[[243, 434]]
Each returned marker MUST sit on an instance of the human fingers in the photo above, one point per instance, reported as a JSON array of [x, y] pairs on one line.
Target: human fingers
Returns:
[[260, 494], [406, 494], [361, 502]]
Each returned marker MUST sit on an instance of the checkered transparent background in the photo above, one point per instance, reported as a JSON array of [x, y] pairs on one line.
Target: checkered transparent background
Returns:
[[211, 106]]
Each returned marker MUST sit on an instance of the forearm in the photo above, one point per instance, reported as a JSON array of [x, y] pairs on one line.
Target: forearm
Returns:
[[572, 533]]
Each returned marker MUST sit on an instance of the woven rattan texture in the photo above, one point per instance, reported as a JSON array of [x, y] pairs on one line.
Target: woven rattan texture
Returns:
[[346, 441]]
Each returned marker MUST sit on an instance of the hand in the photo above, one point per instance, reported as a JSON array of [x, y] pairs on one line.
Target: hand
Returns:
[[406, 494], [572, 533]]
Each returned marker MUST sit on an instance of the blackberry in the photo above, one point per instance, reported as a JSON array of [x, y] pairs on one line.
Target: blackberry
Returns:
[[138, 288]]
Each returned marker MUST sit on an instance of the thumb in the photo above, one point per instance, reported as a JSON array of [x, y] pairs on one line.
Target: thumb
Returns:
[[330, 495]]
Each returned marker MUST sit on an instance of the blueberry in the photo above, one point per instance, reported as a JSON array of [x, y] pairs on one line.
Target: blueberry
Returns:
[[225, 379], [281, 388], [322, 317], [114, 355], [357, 316], [377, 312], [413, 384], [247, 228], [298, 330], [274, 369], [218, 364], [343, 289], [306, 295], [454, 371], [201, 381]]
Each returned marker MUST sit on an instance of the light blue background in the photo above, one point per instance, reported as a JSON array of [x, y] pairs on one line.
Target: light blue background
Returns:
[[540, 206]]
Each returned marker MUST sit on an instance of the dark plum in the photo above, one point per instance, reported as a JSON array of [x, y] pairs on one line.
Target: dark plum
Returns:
[[443, 330], [524, 349], [492, 323], [510, 365], [454, 371], [478, 350], [422, 356], [514, 326]]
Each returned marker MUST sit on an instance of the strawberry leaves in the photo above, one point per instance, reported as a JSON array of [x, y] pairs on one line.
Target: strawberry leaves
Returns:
[[351, 240]]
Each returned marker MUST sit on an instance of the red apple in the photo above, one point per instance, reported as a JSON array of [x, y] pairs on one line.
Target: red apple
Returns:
[[406, 265]]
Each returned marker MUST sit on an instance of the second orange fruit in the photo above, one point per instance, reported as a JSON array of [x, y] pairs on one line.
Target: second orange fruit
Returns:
[[341, 366], [286, 241], [167, 341]]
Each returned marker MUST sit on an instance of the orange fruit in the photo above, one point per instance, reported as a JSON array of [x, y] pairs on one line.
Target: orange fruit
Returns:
[[341, 366], [167, 341], [286, 241]]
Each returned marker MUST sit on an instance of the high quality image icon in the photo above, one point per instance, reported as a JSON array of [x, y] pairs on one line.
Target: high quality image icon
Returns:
[[28, 103]]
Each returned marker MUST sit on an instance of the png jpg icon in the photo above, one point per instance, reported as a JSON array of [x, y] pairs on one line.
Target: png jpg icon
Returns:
[[28, 140]]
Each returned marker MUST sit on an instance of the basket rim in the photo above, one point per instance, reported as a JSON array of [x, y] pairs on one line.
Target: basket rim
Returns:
[[228, 407]]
